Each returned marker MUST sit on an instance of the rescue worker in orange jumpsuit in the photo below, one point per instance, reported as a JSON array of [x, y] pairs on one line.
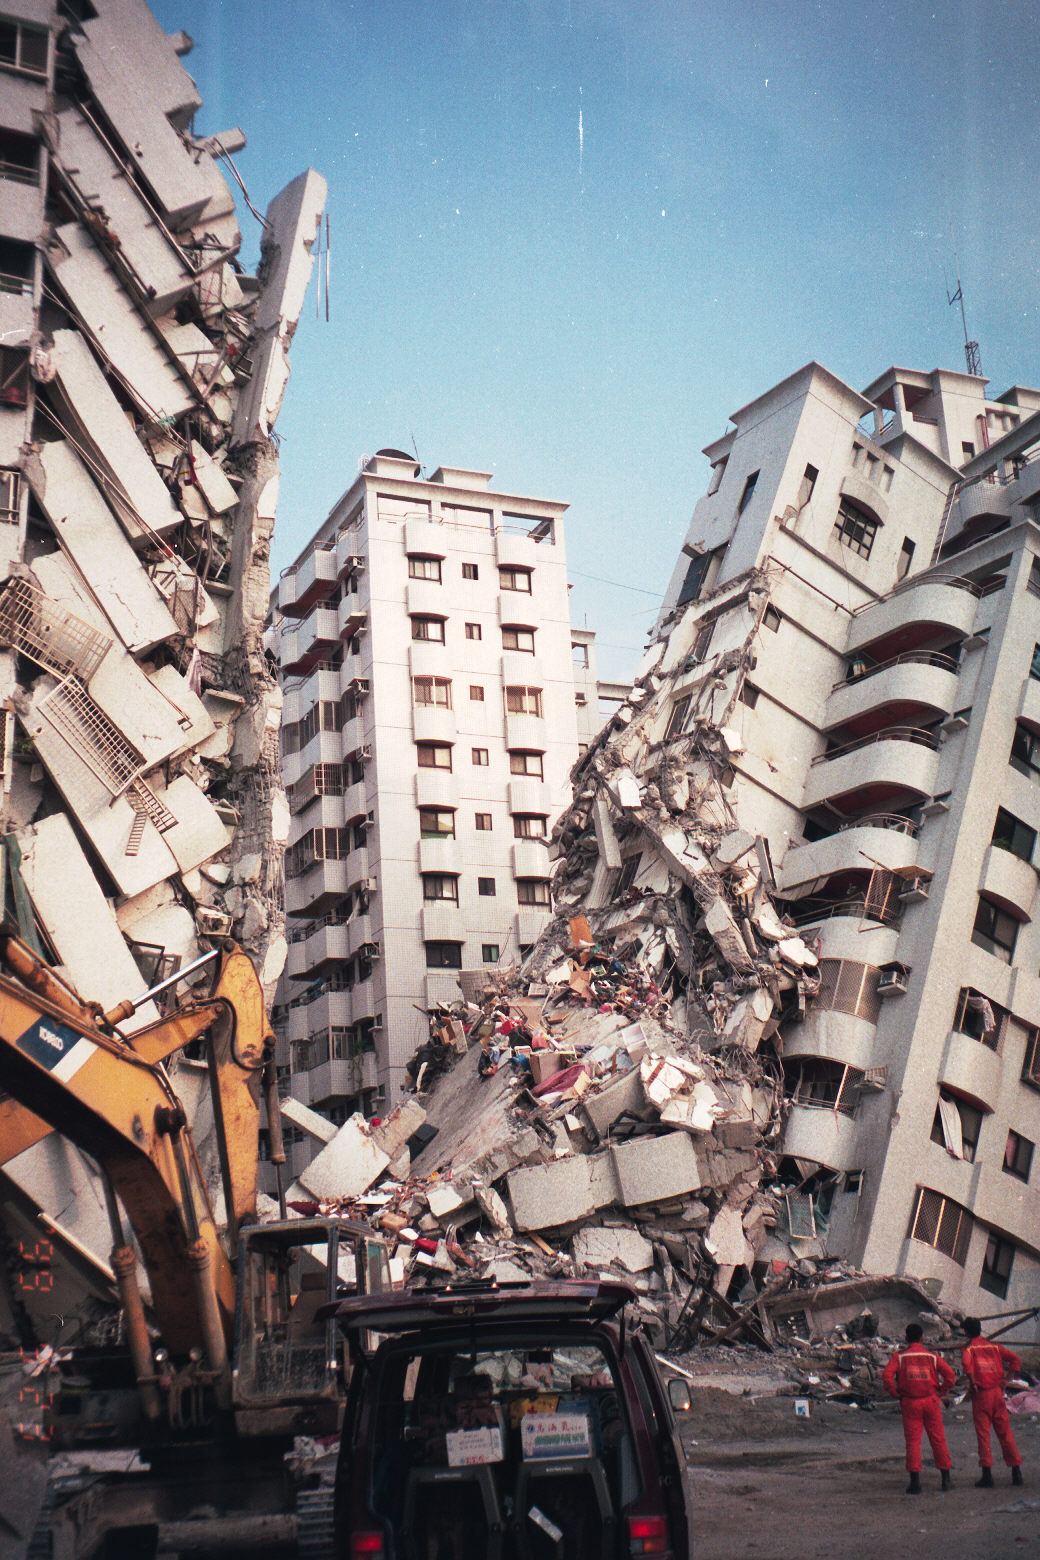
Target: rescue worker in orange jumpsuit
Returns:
[[986, 1364], [919, 1379]]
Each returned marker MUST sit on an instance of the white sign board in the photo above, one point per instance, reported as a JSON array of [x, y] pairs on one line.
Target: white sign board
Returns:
[[555, 1435]]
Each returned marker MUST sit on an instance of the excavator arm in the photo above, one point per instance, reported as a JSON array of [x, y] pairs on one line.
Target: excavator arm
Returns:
[[66, 1070]]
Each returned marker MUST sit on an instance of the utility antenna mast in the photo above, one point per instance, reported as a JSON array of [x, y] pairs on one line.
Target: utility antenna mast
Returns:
[[972, 355]]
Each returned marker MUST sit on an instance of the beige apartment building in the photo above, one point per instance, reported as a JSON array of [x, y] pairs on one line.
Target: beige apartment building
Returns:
[[864, 575], [428, 730]]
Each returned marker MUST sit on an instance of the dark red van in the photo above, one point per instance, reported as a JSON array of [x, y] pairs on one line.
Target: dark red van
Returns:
[[506, 1422]]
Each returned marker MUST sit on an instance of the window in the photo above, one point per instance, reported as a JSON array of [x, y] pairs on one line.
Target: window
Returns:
[[996, 1266], [956, 1126], [532, 891], [443, 955], [469, 571], [1010, 833], [489, 953], [627, 875], [1025, 752], [805, 490], [480, 757], [515, 579], [482, 823], [473, 631], [748, 694], [433, 755], [530, 826], [518, 639], [967, 450], [23, 47], [19, 157], [486, 887], [995, 930], [1018, 1156], [696, 569], [440, 885], [1034, 665], [700, 645], [906, 558], [420, 568], [772, 619], [524, 701], [1033, 581], [436, 823], [1031, 1061], [580, 654], [432, 690], [940, 1222], [822, 1085], [430, 628], [980, 1018], [675, 720], [10, 491], [526, 764], [855, 527], [476, 693], [580, 701], [748, 493]]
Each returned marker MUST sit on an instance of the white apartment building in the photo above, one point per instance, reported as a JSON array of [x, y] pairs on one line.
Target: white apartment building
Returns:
[[428, 731], [864, 575]]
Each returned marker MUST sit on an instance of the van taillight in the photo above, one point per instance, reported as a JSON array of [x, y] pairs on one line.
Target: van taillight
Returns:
[[647, 1536], [370, 1544]]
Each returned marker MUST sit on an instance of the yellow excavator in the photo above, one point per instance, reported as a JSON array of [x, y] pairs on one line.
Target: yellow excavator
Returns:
[[223, 1363]]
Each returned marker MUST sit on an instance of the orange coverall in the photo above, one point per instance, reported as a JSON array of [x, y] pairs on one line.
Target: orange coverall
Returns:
[[985, 1365], [917, 1377]]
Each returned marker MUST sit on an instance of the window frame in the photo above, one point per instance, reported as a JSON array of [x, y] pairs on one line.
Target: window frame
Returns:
[[1018, 1148], [438, 956], [427, 833], [433, 748], [434, 685], [21, 28], [424, 566], [422, 626], [514, 637], [526, 755], [952, 1243], [997, 1263], [474, 631], [470, 571], [483, 823], [1013, 830], [486, 888], [480, 757], [528, 893], [988, 939], [521, 831], [508, 574], [856, 527], [522, 700], [440, 888]]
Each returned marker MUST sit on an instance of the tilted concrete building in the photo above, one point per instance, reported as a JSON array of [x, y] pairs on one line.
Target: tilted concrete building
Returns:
[[856, 607], [429, 726], [142, 371]]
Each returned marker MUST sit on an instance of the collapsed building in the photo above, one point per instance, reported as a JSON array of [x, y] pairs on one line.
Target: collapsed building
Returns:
[[142, 371]]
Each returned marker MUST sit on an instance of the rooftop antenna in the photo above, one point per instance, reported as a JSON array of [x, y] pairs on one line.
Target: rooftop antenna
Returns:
[[972, 355]]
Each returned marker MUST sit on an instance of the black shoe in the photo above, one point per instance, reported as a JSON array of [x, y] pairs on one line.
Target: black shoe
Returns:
[[944, 1483], [914, 1487], [986, 1482], [1016, 1476]]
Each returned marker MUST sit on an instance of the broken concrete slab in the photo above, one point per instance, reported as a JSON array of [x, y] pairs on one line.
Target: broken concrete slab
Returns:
[[600, 1245], [346, 1167], [309, 1121], [654, 1169], [565, 1191], [603, 1107]]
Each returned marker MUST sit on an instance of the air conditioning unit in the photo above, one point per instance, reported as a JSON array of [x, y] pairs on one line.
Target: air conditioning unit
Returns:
[[369, 884], [958, 721], [915, 889], [377, 1022], [893, 980], [369, 950], [355, 563], [364, 753], [213, 923], [358, 686], [368, 821], [938, 804]]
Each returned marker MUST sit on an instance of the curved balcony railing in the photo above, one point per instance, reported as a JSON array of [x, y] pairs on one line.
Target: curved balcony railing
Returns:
[[915, 581], [915, 734], [894, 821], [946, 663], [848, 907]]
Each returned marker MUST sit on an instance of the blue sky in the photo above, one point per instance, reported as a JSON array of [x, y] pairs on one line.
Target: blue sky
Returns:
[[570, 236]]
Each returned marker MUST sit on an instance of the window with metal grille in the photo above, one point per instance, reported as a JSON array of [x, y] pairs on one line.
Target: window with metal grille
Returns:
[[821, 1084], [855, 527], [524, 701], [44, 631], [980, 1018], [940, 1222], [846, 986], [10, 496], [995, 930], [432, 690], [996, 1266]]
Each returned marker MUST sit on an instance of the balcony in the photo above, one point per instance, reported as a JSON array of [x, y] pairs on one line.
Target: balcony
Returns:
[[349, 545], [984, 501], [316, 812], [359, 869], [325, 747], [301, 586], [899, 762], [427, 598], [530, 858], [317, 889], [433, 723], [299, 693], [530, 919], [832, 1036], [514, 550], [428, 658], [300, 648], [334, 1079], [355, 799], [359, 933], [352, 617], [527, 732], [1006, 1203], [1009, 881], [846, 931], [442, 921], [519, 668], [327, 945], [913, 615], [425, 538], [915, 686], [440, 855], [437, 788], [527, 795], [822, 1135], [327, 1008], [884, 838], [971, 1068], [1029, 705]]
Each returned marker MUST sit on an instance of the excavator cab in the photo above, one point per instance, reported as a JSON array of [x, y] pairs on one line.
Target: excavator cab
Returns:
[[290, 1370]]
